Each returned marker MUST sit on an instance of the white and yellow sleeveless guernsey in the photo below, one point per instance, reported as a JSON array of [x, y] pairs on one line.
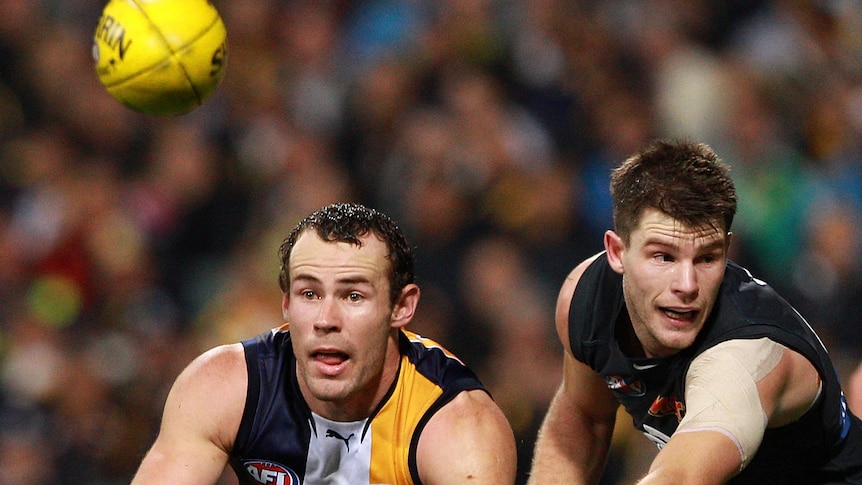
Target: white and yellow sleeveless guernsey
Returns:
[[281, 442]]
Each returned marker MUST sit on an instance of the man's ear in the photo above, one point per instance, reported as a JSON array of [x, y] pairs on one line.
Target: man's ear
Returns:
[[615, 247], [405, 307], [285, 302]]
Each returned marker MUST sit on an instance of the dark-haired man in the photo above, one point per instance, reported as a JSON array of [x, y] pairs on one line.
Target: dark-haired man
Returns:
[[342, 393], [723, 374]]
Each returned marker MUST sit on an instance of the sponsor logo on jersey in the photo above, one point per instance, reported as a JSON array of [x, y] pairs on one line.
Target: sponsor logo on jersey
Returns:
[[331, 433], [268, 472], [617, 383], [667, 405]]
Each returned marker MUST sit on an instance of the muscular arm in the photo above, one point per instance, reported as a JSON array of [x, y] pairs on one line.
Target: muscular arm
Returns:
[[200, 421], [854, 391], [735, 393], [470, 441], [575, 437]]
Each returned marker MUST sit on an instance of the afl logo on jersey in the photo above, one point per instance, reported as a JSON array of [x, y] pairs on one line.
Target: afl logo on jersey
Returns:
[[271, 473], [617, 383]]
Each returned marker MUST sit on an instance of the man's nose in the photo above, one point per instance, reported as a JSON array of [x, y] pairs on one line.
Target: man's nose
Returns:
[[328, 315], [685, 279]]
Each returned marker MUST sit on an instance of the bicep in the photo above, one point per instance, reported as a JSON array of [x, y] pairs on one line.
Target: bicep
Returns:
[[575, 437], [740, 387], [731, 391], [200, 420], [170, 462], [722, 428], [467, 440], [583, 392], [583, 409], [586, 393]]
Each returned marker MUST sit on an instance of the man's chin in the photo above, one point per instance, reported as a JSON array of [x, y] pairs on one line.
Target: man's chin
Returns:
[[329, 391]]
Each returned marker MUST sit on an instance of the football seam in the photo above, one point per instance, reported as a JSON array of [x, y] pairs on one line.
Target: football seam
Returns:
[[172, 53]]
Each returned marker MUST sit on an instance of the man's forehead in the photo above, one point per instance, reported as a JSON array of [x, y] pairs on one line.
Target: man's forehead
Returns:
[[311, 250], [656, 224]]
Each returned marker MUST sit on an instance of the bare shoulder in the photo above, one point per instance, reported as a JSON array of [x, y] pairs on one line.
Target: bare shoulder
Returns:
[[220, 368], [210, 394], [216, 362], [200, 420], [467, 440], [564, 299]]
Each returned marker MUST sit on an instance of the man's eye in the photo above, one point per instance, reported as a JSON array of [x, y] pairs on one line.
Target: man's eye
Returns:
[[354, 297], [308, 294], [711, 258]]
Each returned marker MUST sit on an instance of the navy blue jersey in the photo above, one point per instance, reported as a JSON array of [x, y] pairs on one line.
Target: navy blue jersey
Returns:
[[824, 446], [281, 442]]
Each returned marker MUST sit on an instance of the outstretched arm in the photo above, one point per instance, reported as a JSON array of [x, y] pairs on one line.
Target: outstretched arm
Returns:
[[734, 391], [200, 421], [575, 437], [468, 441]]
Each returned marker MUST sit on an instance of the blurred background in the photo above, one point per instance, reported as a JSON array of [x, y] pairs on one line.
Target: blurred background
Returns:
[[487, 128]]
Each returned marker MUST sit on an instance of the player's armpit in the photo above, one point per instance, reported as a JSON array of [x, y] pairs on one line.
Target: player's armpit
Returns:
[[470, 441]]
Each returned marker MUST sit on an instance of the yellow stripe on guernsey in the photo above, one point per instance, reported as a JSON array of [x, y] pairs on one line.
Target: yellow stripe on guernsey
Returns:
[[392, 429], [430, 344]]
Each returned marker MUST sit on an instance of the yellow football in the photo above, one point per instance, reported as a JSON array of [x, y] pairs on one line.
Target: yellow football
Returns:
[[160, 57]]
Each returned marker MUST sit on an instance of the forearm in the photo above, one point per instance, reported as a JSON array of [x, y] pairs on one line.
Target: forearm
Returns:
[[694, 458], [162, 467]]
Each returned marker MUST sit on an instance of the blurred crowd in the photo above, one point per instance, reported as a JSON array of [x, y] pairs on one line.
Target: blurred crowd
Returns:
[[486, 128]]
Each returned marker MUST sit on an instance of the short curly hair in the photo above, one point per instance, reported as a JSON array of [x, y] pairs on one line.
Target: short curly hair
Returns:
[[349, 222]]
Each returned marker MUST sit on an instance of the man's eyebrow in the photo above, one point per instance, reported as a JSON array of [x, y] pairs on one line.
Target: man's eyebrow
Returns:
[[717, 243], [713, 244], [305, 277], [660, 241], [348, 280], [352, 280]]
